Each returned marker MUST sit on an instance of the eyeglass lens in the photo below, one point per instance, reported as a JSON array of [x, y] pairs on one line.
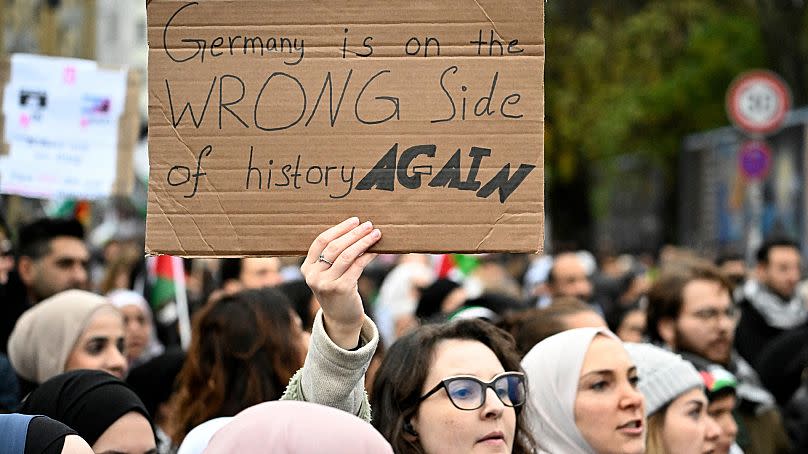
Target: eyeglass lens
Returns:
[[469, 394]]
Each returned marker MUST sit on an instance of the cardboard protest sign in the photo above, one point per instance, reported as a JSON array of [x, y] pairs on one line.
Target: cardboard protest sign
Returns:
[[69, 127], [271, 121]]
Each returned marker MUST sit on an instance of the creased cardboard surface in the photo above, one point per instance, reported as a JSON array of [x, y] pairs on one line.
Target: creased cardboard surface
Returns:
[[404, 113]]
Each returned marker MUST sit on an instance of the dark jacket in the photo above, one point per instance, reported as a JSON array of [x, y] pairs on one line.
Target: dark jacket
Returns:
[[9, 387], [753, 333], [13, 302], [765, 315], [783, 368]]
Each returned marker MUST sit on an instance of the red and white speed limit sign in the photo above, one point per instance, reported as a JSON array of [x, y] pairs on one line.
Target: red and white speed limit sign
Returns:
[[758, 101]]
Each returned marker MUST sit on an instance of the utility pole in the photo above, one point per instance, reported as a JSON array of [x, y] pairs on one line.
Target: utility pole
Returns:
[[88, 30], [3, 23], [48, 28]]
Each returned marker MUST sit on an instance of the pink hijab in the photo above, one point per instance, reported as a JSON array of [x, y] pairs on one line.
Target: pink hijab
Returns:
[[292, 427]]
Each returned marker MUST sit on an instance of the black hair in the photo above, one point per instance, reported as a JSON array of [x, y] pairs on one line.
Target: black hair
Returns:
[[229, 269], [762, 255], [728, 256], [615, 317], [300, 296], [35, 238], [433, 296], [153, 381], [499, 303]]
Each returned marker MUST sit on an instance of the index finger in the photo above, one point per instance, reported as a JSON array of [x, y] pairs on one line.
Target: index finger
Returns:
[[328, 236]]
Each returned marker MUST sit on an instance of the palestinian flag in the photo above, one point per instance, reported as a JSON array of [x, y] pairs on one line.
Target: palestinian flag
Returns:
[[167, 296], [717, 379], [456, 266], [162, 271], [80, 210]]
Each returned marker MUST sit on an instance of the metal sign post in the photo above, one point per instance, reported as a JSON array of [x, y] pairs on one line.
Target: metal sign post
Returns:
[[757, 103]]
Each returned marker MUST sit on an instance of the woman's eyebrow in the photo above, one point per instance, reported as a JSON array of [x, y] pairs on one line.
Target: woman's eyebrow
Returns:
[[599, 372], [696, 403]]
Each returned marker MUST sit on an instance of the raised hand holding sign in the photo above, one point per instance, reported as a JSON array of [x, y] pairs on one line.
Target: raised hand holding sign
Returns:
[[332, 268]]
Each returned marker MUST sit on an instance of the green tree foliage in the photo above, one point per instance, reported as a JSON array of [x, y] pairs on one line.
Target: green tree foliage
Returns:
[[635, 77], [784, 25]]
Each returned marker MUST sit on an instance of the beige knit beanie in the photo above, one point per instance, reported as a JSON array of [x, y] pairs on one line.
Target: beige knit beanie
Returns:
[[45, 334]]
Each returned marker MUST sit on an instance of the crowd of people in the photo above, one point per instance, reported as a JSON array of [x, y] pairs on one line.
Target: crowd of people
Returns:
[[344, 351]]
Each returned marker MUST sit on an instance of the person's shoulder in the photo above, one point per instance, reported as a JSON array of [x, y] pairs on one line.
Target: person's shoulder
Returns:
[[786, 347]]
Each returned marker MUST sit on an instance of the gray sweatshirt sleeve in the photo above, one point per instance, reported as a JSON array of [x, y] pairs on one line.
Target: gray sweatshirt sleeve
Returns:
[[334, 376]]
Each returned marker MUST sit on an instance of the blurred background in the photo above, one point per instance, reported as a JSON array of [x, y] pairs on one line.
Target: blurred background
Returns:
[[639, 149]]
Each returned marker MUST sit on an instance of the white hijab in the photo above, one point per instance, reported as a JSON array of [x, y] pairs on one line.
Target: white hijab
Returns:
[[121, 298], [553, 367], [397, 298]]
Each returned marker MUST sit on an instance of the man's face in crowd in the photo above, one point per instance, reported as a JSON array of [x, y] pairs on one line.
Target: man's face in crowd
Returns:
[[260, 272], [64, 267], [706, 323], [721, 411], [782, 272], [569, 278]]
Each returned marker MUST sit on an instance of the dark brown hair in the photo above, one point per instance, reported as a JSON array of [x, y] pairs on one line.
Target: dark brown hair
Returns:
[[243, 352], [665, 295], [532, 326], [401, 377]]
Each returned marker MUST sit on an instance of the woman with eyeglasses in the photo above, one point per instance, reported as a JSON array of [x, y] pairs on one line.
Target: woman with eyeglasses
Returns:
[[443, 389], [452, 388]]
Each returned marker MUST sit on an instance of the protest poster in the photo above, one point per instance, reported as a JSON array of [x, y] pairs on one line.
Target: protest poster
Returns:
[[271, 121], [69, 128]]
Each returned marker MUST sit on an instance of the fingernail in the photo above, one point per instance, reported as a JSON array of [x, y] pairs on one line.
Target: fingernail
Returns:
[[375, 234], [367, 225], [354, 220]]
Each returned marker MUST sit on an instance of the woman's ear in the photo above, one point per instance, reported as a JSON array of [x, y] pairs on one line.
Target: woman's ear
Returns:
[[410, 433]]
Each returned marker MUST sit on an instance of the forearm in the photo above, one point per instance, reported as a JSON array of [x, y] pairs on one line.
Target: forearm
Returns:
[[334, 376], [346, 337]]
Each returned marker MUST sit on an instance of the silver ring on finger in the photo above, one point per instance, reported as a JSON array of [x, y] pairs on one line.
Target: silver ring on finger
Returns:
[[325, 260]]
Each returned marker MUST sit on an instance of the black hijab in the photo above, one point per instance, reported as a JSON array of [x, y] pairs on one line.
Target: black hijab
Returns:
[[89, 401], [25, 434], [153, 381], [433, 296]]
